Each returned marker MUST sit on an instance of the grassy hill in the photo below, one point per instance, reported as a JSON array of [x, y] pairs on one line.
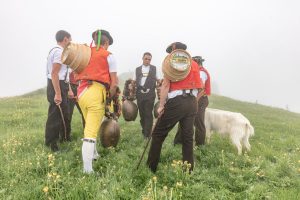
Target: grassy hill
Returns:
[[28, 170]]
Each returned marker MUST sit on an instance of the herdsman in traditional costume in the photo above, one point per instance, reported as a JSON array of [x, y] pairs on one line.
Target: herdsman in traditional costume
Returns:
[[146, 77], [177, 103], [200, 130], [99, 76], [57, 94]]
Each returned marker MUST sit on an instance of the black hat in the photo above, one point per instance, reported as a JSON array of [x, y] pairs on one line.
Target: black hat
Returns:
[[177, 45], [104, 32], [198, 59]]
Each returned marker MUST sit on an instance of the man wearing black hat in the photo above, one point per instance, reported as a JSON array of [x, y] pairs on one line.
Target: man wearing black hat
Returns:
[[94, 81], [200, 130], [177, 104], [146, 77]]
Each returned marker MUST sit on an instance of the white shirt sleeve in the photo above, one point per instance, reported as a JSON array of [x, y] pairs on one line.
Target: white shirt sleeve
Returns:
[[203, 76], [158, 74], [57, 56], [112, 63]]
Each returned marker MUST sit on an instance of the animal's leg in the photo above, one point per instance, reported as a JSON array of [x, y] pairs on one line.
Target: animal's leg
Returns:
[[235, 140], [246, 143], [208, 136]]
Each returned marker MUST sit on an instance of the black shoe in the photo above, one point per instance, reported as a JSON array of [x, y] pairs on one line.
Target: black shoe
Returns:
[[146, 138], [176, 142], [68, 139], [54, 147]]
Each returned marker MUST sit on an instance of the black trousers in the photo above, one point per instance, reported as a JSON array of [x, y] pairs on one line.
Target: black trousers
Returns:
[[180, 109], [72, 103], [54, 125], [145, 109], [200, 131]]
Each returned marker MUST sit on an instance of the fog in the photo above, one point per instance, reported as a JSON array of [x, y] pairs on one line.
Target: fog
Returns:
[[251, 47]]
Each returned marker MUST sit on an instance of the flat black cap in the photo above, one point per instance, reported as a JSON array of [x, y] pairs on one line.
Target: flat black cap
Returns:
[[177, 45], [103, 32], [198, 59]]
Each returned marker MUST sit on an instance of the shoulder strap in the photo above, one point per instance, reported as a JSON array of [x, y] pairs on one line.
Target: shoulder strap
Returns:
[[67, 72], [48, 56], [52, 49]]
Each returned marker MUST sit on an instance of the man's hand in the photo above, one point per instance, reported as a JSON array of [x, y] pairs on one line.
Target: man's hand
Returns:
[[112, 91], [160, 111], [71, 94], [57, 99]]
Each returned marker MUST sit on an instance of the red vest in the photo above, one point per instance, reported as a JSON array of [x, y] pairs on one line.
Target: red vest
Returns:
[[192, 81], [207, 82], [98, 68]]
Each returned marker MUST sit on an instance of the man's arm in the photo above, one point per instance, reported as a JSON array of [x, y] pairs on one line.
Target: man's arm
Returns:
[[113, 84], [163, 95], [55, 81]]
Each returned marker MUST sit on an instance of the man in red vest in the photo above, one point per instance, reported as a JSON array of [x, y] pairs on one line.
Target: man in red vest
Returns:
[[200, 131], [178, 103], [94, 81]]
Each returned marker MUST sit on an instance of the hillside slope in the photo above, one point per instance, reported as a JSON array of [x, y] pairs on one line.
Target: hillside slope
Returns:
[[28, 170]]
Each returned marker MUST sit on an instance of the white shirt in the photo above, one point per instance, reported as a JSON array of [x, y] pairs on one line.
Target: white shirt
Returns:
[[176, 93], [112, 63], [55, 57], [203, 76], [145, 72]]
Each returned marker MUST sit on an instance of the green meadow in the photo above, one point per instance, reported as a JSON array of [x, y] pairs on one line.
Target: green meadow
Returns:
[[29, 170]]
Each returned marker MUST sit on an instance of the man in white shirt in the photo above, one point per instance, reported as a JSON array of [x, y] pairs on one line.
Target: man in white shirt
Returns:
[[57, 93], [146, 77]]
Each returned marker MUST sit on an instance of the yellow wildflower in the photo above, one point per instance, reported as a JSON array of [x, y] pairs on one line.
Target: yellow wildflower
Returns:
[[154, 178], [45, 189], [179, 184], [189, 165], [165, 188]]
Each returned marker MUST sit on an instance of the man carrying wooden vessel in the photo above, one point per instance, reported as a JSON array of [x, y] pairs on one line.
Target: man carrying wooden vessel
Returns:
[[177, 104], [200, 130], [98, 77]]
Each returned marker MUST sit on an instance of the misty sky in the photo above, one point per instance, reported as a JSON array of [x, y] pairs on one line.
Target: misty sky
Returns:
[[251, 47]]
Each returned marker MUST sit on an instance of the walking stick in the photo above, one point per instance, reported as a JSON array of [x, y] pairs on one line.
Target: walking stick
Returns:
[[63, 120], [142, 156]]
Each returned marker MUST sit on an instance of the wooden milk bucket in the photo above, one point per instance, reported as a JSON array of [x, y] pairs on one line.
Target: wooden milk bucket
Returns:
[[177, 65], [77, 56]]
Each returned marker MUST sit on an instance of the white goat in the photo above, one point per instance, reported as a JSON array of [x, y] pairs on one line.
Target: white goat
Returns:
[[233, 124]]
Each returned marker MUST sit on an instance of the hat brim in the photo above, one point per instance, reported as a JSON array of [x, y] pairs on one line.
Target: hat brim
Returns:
[[178, 45], [198, 59], [106, 33]]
